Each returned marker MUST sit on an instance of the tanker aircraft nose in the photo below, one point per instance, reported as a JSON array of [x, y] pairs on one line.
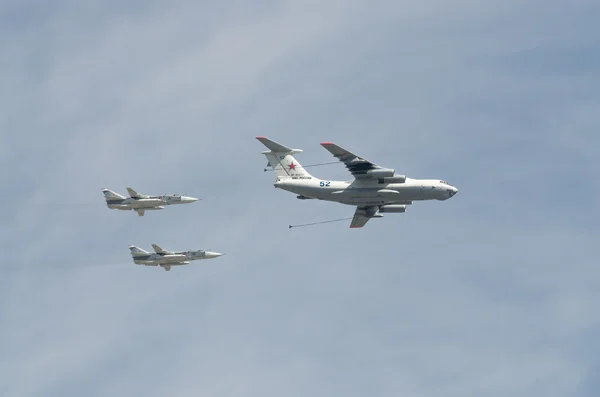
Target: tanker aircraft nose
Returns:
[[452, 191]]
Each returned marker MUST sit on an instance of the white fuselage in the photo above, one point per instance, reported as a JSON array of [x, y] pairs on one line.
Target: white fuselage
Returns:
[[131, 204], [175, 258], [156, 259], [368, 192], [148, 203]]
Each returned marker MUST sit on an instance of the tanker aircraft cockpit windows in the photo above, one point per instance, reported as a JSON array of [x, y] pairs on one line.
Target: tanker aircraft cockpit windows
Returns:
[[444, 182]]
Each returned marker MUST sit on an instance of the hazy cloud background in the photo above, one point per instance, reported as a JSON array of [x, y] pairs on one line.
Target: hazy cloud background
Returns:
[[491, 293]]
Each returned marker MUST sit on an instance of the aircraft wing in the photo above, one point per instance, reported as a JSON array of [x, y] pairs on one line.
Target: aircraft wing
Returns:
[[159, 250], [360, 218], [357, 166], [134, 194]]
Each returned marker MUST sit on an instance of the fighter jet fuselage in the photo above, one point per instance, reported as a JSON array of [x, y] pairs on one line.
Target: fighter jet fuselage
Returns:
[[132, 203], [140, 203], [166, 259], [175, 257]]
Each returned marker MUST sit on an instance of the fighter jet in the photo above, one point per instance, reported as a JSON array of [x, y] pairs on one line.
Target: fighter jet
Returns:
[[374, 190], [141, 202], [166, 259]]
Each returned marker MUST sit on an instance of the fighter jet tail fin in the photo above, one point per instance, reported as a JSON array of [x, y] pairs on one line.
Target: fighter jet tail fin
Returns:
[[137, 251], [110, 195], [281, 160]]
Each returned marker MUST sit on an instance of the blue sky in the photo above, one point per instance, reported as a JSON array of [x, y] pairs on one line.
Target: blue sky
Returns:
[[491, 293]]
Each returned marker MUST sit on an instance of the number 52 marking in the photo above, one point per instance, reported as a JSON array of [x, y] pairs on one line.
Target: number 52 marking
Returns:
[[324, 183]]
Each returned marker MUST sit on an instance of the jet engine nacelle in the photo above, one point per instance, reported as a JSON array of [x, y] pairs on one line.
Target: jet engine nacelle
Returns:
[[393, 208], [381, 172], [393, 179]]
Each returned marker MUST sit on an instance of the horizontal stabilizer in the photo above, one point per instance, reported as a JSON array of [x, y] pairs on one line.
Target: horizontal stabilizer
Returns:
[[276, 147]]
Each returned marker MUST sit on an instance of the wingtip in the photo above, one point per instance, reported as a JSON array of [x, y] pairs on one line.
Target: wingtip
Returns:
[[261, 137], [326, 143]]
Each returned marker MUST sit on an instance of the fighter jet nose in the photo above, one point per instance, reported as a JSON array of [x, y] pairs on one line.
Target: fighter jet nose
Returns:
[[213, 254], [189, 199]]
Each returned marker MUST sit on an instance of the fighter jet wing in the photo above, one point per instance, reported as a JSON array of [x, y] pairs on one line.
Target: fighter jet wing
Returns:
[[357, 166], [360, 218], [159, 250], [134, 194]]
